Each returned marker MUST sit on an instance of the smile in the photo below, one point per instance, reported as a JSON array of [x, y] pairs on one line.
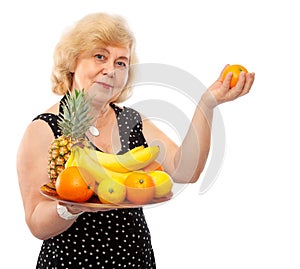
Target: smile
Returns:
[[105, 85]]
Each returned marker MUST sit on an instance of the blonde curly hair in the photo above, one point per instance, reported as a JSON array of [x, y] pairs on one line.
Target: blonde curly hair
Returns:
[[92, 31]]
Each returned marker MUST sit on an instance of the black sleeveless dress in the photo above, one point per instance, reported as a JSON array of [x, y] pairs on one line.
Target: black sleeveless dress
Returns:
[[117, 238]]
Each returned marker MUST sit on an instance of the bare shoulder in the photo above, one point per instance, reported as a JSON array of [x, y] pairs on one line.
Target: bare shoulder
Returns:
[[36, 138], [32, 155], [38, 133]]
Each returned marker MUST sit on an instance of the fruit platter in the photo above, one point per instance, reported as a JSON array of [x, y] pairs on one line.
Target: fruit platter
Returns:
[[96, 179], [94, 202], [80, 174]]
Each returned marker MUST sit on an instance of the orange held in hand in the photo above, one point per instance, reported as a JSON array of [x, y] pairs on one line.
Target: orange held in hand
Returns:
[[75, 184], [236, 69], [140, 187]]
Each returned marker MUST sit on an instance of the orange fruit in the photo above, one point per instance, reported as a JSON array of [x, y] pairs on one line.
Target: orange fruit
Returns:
[[140, 187], [236, 69], [75, 184]]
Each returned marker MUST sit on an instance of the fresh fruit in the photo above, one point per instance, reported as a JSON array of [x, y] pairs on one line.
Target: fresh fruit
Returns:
[[119, 177], [140, 187], [134, 159], [163, 183], [236, 69], [49, 189], [155, 165], [79, 157], [76, 184], [74, 122], [111, 192]]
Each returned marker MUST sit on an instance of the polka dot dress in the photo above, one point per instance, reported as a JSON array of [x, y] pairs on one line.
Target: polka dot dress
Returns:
[[117, 238]]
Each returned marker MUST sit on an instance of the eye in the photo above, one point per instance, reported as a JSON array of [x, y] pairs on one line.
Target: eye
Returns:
[[121, 64], [99, 57]]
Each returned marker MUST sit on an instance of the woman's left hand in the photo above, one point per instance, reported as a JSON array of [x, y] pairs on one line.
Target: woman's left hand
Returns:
[[220, 92]]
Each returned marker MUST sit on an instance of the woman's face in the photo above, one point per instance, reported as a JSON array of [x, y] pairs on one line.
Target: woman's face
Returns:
[[103, 73]]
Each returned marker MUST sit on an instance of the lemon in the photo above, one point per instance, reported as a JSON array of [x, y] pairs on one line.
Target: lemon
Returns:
[[111, 192], [163, 183]]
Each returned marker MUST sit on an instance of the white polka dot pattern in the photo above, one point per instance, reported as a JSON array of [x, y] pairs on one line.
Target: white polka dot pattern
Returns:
[[117, 238], [112, 239]]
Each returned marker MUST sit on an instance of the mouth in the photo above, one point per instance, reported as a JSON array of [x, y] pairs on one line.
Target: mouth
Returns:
[[105, 85]]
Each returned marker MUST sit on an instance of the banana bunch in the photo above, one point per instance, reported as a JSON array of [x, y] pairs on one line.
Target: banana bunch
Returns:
[[134, 159], [112, 166]]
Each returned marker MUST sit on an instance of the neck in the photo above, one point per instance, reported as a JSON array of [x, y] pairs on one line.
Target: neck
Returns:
[[103, 118], [100, 110]]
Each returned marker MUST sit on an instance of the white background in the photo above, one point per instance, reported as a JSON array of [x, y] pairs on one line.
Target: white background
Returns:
[[249, 218]]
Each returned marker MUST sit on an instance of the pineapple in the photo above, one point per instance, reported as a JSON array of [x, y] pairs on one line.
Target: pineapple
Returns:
[[74, 123]]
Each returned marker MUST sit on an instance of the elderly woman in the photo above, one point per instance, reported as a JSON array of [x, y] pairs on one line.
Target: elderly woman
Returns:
[[95, 55]]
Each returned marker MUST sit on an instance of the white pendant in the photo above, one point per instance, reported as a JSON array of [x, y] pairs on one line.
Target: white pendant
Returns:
[[93, 130]]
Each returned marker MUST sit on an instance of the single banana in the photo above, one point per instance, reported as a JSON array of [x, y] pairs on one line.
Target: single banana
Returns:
[[134, 159]]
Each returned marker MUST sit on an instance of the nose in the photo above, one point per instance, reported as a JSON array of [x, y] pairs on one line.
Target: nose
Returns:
[[108, 69]]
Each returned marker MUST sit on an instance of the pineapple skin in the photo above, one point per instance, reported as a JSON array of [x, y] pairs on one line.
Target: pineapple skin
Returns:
[[74, 122], [59, 152]]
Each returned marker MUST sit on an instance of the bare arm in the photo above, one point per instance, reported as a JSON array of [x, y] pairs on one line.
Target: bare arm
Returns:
[[186, 161], [40, 212]]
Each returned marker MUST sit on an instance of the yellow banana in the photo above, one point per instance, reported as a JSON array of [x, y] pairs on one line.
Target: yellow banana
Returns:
[[70, 160], [99, 171], [88, 158], [117, 176], [135, 159], [95, 168], [78, 157]]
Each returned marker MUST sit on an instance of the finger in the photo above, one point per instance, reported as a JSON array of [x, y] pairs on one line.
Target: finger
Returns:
[[221, 74], [238, 88], [248, 84], [227, 80], [241, 81], [105, 209], [97, 209]]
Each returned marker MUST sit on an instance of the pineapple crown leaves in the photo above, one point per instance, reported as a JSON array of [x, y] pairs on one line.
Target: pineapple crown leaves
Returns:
[[76, 117]]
